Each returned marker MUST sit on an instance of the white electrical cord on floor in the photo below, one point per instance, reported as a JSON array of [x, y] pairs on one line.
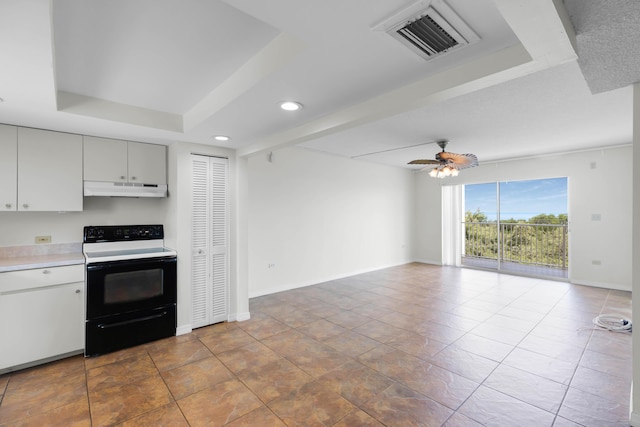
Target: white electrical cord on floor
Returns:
[[612, 322]]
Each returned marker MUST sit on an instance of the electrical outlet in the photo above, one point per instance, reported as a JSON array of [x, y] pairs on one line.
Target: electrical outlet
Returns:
[[43, 239]]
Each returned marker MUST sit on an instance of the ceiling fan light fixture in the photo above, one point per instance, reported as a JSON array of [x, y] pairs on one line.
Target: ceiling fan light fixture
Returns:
[[447, 164], [444, 171]]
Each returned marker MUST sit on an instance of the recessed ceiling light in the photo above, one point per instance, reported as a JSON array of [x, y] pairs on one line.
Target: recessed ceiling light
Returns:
[[290, 105], [221, 138]]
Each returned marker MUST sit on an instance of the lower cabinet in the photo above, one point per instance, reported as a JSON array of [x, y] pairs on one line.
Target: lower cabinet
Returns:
[[43, 320]]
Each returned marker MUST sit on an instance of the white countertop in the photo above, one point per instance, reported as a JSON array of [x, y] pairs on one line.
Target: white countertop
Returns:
[[40, 256], [40, 261]]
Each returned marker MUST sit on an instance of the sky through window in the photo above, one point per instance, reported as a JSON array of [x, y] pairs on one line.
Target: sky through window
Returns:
[[518, 199]]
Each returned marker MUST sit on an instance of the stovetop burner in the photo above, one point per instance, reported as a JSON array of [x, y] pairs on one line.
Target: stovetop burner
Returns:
[[124, 242]]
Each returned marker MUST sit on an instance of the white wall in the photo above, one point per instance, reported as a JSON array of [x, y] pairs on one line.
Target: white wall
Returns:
[[427, 245], [600, 182], [318, 217], [20, 228]]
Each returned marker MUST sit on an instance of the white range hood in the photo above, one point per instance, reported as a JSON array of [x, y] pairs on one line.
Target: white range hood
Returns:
[[124, 189]]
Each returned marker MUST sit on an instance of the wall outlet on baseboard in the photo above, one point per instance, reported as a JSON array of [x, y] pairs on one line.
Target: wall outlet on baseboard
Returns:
[[43, 239]]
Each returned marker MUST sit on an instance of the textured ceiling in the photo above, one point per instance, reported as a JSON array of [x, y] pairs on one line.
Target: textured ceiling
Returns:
[[499, 122], [608, 40]]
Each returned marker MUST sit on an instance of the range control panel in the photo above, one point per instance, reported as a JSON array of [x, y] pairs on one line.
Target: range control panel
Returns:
[[121, 233]]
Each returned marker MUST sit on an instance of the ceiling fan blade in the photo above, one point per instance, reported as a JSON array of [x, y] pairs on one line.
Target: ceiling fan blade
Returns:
[[424, 162], [461, 161]]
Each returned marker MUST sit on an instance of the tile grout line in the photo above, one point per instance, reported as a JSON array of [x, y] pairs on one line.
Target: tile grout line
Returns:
[[236, 377], [574, 372], [86, 385], [514, 347]]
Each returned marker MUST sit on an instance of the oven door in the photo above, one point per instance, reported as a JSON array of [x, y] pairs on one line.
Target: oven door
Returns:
[[119, 287]]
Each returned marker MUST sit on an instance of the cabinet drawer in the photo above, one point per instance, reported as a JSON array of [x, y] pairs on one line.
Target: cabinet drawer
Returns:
[[40, 277]]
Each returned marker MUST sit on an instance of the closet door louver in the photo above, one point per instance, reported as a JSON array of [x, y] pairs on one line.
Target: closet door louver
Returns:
[[209, 237], [219, 232], [199, 233]]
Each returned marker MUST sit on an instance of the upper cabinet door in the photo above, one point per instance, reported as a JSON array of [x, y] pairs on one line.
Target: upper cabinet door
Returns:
[[147, 163], [49, 171], [8, 167], [105, 159]]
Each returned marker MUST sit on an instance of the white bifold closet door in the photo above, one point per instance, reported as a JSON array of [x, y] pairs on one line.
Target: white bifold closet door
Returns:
[[209, 241]]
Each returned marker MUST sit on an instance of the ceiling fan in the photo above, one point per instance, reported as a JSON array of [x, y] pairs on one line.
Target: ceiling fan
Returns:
[[447, 164]]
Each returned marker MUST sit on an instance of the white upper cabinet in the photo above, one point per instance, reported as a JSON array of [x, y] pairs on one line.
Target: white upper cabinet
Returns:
[[49, 170], [112, 160], [147, 163], [8, 167], [105, 159]]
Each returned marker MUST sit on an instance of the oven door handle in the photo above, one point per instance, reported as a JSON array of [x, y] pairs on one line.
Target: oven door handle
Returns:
[[129, 322]]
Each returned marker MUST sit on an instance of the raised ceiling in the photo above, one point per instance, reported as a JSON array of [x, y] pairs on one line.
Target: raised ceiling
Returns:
[[161, 71]]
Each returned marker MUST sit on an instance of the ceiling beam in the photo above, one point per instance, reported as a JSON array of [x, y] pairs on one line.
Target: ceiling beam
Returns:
[[274, 56], [124, 113]]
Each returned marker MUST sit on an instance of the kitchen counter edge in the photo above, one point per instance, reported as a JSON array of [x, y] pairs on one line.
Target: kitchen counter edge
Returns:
[[40, 261]]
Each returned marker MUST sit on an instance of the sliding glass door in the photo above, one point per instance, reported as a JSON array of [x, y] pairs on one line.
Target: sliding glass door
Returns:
[[517, 226]]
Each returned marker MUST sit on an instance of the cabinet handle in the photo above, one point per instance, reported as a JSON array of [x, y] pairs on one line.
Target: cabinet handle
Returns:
[[77, 291], [7, 205], [46, 272], [122, 177], [25, 205], [133, 178]]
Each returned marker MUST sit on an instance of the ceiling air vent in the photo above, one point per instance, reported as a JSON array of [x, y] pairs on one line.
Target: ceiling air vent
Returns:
[[428, 28]]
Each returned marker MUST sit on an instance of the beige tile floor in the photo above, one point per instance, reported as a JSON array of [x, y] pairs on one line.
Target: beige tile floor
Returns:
[[403, 346]]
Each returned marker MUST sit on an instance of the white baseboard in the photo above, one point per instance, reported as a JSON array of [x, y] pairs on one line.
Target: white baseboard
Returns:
[[428, 261], [604, 285], [613, 286], [181, 330], [240, 317], [634, 417], [290, 286]]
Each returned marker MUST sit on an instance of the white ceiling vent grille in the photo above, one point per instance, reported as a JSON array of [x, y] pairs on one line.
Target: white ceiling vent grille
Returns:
[[428, 28]]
